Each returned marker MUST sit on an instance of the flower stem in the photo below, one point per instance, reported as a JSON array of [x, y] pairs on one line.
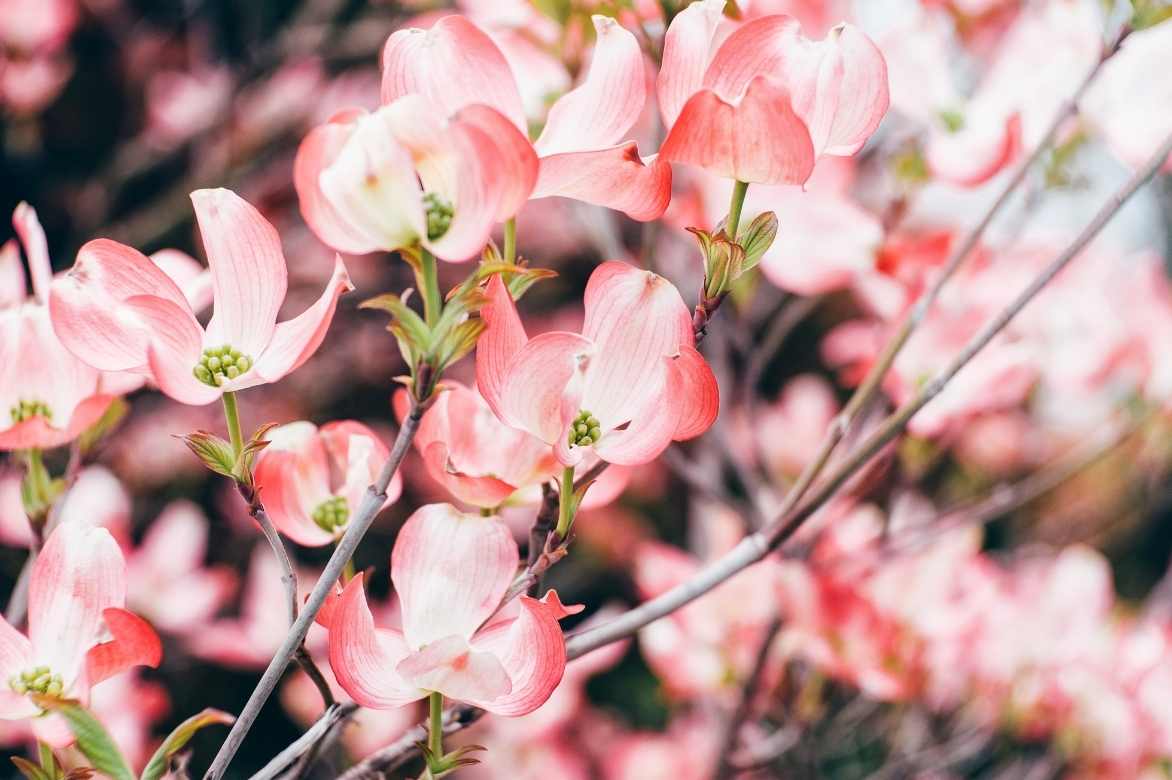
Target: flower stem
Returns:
[[435, 729], [432, 303], [565, 502], [734, 208], [511, 241], [232, 417]]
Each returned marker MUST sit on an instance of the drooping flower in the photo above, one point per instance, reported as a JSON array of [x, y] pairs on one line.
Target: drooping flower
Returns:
[[311, 480], [625, 388], [76, 598], [118, 311], [47, 396], [479, 459], [450, 571], [763, 103]]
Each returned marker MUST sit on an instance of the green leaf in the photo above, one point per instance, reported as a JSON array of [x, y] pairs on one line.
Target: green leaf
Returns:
[[93, 435], [30, 770], [92, 739], [248, 453], [757, 239], [414, 330], [459, 342], [521, 282], [213, 452], [177, 739]]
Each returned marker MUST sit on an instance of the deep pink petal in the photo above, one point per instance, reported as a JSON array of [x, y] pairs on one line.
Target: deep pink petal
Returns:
[[458, 671], [87, 304], [454, 64], [36, 249], [533, 653], [357, 456], [545, 381], [606, 105], [248, 269], [515, 161], [450, 571], [695, 393], [756, 139], [294, 341], [615, 178], [176, 346], [364, 658], [502, 339], [78, 575], [135, 643], [687, 50], [293, 477], [16, 656]]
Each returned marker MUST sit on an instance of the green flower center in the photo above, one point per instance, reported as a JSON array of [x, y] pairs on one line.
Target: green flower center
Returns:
[[439, 214], [27, 410], [332, 514], [218, 365], [39, 679], [585, 430]]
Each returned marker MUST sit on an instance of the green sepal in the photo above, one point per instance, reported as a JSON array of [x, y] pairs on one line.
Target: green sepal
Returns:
[[756, 240], [242, 468], [213, 452], [177, 739], [441, 766]]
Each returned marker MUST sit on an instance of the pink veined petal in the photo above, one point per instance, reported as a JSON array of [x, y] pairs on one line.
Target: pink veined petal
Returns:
[[317, 152], [248, 269], [693, 386], [516, 161], [78, 575], [188, 274], [654, 414], [545, 381], [293, 477], [176, 346], [454, 64], [484, 491], [364, 658], [971, 156], [135, 643], [12, 285], [606, 105], [502, 339], [615, 178], [36, 249], [457, 670], [533, 652], [294, 341], [762, 47], [757, 139], [16, 655], [635, 319], [359, 455], [37, 433], [687, 49], [87, 304], [450, 571]]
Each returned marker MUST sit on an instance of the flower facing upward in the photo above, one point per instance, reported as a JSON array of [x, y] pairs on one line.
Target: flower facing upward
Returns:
[[118, 311], [450, 571], [628, 386]]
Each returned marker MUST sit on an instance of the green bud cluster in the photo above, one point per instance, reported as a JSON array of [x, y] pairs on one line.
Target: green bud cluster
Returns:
[[39, 679], [27, 410], [585, 430], [439, 214], [332, 514], [218, 365]]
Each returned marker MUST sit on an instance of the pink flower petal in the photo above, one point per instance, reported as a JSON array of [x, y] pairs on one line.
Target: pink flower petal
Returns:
[[188, 274], [16, 656], [450, 571], [502, 339], [654, 415], [247, 266], [533, 652], [36, 249], [515, 161], [454, 64], [12, 285], [294, 341], [615, 178], [176, 346], [687, 50], [756, 139], [693, 387], [135, 643], [544, 388], [606, 105], [293, 477], [364, 658], [458, 671], [359, 455]]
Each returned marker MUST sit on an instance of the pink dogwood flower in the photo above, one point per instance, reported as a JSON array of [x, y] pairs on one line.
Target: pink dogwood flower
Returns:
[[311, 479], [450, 571], [76, 598], [763, 103], [624, 389], [47, 396], [118, 311]]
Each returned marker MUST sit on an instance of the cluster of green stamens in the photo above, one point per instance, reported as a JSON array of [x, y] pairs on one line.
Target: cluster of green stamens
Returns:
[[332, 514], [439, 214], [27, 410], [585, 430], [218, 365], [39, 679]]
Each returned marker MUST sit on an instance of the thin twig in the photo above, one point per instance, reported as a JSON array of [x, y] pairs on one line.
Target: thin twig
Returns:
[[724, 767], [372, 502], [333, 716]]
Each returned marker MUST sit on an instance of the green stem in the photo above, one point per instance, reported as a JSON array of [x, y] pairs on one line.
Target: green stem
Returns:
[[734, 208], [435, 728], [432, 303], [565, 502], [511, 241], [232, 417], [348, 571]]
